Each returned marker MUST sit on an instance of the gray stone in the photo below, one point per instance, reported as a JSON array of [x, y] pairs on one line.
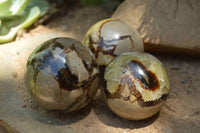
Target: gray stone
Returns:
[[165, 25]]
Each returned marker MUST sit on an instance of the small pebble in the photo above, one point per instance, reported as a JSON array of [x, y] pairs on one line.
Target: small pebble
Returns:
[[64, 28], [87, 125], [108, 129], [189, 91], [196, 111], [24, 106], [182, 81], [14, 75], [186, 116], [165, 130], [125, 131], [175, 67], [49, 121]]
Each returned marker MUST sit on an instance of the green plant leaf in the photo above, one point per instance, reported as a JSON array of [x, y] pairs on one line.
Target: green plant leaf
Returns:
[[3, 30], [4, 7], [19, 14], [10, 8], [26, 21], [42, 4], [18, 6]]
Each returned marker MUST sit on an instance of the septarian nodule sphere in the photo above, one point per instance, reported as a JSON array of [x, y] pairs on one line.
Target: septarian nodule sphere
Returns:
[[137, 85], [111, 37], [61, 74]]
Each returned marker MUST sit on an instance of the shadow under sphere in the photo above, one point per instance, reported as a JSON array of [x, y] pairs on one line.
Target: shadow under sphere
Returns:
[[109, 118]]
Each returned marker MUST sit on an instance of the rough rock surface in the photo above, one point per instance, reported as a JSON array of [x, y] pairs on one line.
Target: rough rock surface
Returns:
[[165, 25], [180, 114]]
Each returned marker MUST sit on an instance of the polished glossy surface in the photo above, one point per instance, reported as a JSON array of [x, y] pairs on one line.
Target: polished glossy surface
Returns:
[[111, 37], [136, 85], [62, 75]]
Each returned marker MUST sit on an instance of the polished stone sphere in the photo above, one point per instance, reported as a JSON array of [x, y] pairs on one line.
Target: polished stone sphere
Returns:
[[136, 85], [111, 37], [61, 74]]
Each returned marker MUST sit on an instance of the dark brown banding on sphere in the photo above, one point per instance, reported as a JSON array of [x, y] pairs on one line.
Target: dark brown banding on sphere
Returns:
[[91, 43], [58, 66], [103, 47], [125, 79], [65, 69], [152, 103], [103, 24], [100, 46], [140, 72], [109, 49]]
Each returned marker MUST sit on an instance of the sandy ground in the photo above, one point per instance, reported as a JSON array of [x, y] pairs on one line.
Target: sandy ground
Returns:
[[180, 114]]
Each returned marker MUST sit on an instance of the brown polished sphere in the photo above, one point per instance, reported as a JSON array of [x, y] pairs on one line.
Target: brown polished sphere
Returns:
[[111, 37], [61, 74], [137, 85]]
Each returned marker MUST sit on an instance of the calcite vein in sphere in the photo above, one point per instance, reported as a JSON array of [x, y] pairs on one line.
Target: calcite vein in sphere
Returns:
[[61, 74], [137, 85], [111, 37]]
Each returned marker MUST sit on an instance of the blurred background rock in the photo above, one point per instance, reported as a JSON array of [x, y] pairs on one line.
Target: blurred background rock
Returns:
[[181, 113]]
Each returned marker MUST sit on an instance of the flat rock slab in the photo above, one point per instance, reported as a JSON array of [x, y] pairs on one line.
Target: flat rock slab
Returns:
[[165, 25], [181, 113]]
